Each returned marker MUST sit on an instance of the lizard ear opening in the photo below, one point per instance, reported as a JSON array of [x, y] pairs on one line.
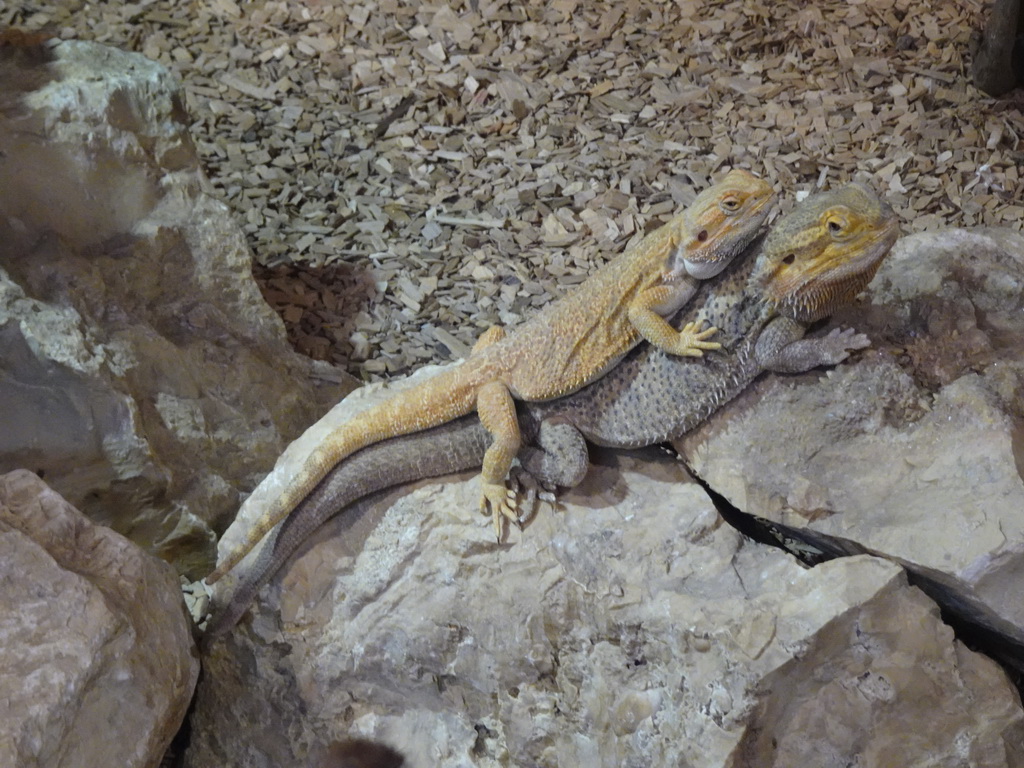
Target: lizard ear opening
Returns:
[[702, 236], [790, 258]]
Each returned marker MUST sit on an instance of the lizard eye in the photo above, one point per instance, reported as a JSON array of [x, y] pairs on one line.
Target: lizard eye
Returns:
[[836, 227], [731, 204]]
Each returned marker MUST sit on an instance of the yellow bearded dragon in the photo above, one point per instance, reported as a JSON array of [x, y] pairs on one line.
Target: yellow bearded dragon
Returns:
[[562, 348]]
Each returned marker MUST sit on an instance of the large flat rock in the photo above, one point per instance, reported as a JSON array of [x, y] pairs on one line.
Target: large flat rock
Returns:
[[630, 627]]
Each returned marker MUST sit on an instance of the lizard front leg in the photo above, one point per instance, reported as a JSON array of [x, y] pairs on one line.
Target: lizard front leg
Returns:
[[781, 347], [649, 309], [492, 335], [497, 411]]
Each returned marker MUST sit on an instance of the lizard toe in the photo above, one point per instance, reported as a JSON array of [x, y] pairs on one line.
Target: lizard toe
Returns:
[[707, 333], [502, 503], [691, 340]]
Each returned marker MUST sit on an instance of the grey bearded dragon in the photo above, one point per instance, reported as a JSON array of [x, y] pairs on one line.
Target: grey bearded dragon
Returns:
[[816, 259]]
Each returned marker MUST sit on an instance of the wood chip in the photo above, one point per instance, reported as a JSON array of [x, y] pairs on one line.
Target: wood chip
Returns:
[[457, 165]]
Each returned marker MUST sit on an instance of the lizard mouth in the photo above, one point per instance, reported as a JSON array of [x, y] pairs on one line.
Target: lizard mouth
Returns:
[[703, 270], [703, 262]]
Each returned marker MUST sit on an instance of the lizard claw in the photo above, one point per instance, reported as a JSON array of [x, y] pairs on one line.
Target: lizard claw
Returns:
[[501, 502], [691, 340], [531, 489], [850, 338], [523, 484], [838, 344], [520, 478]]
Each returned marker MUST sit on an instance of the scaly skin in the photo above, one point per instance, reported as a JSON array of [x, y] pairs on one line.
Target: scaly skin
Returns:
[[816, 259], [564, 347]]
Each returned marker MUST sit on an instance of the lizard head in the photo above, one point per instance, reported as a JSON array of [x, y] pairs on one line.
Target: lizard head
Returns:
[[718, 225], [825, 251]]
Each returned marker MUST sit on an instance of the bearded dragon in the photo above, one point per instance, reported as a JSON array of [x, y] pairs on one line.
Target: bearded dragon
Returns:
[[567, 345], [815, 260]]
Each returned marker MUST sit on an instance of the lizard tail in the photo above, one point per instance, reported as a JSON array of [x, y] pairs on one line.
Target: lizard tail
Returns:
[[437, 400]]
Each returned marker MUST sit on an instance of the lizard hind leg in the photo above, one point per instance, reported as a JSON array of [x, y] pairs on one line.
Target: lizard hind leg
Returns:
[[497, 411], [560, 458]]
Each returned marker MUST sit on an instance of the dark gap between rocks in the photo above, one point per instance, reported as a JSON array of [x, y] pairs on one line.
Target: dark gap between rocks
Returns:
[[972, 622]]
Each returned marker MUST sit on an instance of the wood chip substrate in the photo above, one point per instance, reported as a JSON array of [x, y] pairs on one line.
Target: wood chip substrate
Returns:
[[409, 174]]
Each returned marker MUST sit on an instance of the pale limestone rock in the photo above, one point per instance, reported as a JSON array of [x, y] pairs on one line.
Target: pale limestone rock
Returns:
[[630, 628], [139, 367], [915, 449], [97, 660]]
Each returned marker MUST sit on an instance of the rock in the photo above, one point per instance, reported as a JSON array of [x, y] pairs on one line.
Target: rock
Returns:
[[993, 68], [917, 449], [140, 370], [630, 627], [973, 622], [633, 628], [97, 660]]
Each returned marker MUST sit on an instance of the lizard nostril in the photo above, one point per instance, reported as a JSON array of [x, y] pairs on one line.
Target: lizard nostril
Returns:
[[789, 259], [702, 236]]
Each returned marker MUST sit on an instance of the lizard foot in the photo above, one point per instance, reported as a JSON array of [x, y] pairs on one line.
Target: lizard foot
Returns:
[[532, 488], [501, 502], [837, 345], [691, 340]]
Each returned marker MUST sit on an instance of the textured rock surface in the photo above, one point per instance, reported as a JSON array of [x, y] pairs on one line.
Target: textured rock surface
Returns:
[[630, 628], [139, 367], [97, 662], [633, 627], [917, 450]]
